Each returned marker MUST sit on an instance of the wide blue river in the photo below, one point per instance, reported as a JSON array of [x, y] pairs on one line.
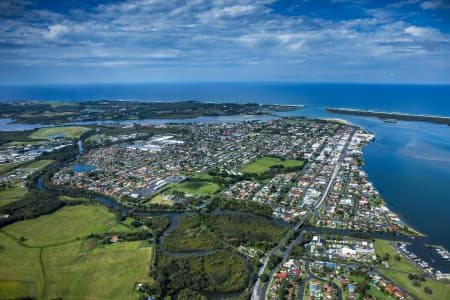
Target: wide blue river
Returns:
[[409, 162]]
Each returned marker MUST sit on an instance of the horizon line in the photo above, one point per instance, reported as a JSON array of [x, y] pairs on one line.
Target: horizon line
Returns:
[[225, 82]]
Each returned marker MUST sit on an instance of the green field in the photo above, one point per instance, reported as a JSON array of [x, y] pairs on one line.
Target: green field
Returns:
[[9, 166], [20, 272], [264, 165], [440, 290], [52, 262], [66, 131], [15, 189], [65, 225], [108, 272], [383, 247], [195, 188], [38, 164], [10, 194]]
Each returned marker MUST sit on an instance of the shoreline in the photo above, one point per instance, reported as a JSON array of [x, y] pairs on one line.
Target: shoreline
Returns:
[[391, 115], [414, 232]]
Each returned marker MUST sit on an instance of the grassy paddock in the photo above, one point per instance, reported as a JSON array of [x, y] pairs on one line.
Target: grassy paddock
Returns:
[[9, 166], [264, 164], [65, 131], [72, 269], [20, 272], [10, 194], [38, 164], [65, 225], [75, 271]]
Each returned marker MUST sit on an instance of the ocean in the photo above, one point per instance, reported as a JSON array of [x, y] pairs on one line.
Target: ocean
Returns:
[[409, 162]]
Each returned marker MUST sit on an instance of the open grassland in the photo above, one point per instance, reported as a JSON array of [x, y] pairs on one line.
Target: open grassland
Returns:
[[74, 271], [191, 234], [20, 271], [9, 166], [195, 188], [38, 164], [12, 193], [28, 165], [21, 143], [440, 290], [54, 263], [264, 164], [383, 247], [65, 131], [65, 225]]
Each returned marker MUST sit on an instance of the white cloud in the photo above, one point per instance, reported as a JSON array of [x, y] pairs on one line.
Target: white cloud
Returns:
[[205, 34], [55, 31], [419, 31], [435, 4]]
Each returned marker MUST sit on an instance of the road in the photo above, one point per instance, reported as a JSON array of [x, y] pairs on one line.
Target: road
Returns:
[[260, 290], [312, 275]]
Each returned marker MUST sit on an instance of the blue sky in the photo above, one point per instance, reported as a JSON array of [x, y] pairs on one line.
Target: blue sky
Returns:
[[68, 41]]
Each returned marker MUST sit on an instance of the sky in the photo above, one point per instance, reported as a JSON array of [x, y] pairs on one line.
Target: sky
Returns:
[[69, 41]]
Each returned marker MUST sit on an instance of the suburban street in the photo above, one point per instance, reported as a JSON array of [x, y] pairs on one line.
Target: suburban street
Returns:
[[260, 290]]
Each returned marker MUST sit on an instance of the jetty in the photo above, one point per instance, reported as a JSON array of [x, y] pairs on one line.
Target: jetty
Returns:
[[391, 115]]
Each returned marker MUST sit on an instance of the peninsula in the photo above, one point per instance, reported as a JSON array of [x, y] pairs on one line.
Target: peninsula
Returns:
[[390, 116], [57, 113]]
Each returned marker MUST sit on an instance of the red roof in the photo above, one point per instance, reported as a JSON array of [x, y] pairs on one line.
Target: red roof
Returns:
[[282, 275], [391, 289]]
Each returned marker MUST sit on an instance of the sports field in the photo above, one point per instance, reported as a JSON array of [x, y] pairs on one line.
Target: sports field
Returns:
[[196, 188], [264, 164]]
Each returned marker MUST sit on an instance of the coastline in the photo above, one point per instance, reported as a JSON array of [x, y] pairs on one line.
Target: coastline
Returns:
[[413, 232]]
